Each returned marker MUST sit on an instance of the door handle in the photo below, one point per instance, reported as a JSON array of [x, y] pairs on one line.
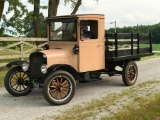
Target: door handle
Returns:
[[76, 49]]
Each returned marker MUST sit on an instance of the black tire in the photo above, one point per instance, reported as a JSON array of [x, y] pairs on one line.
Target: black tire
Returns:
[[59, 88], [130, 73], [17, 82]]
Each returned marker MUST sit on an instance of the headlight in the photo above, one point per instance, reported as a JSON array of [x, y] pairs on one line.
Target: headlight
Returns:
[[44, 56], [25, 66], [44, 68]]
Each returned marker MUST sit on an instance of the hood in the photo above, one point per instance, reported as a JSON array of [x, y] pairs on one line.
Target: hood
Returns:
[[56, 56]]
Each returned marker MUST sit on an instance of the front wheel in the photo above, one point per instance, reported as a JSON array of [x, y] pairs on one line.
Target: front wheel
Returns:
[[130, 73], [17, 82], [59, 88]]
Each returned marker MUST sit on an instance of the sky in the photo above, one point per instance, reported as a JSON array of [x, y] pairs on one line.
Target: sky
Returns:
[[124, 12]]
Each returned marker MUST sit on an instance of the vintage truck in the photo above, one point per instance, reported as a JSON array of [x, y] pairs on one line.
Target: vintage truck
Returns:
[[70, 56]]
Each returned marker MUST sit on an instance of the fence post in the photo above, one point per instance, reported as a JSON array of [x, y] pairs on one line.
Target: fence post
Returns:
[[21, 48]]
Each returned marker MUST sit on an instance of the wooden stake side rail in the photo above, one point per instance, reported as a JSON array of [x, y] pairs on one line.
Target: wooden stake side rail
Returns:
[[128, 45]]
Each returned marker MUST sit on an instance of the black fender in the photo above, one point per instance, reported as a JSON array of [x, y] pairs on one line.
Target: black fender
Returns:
[[65, 67], [15, 63]]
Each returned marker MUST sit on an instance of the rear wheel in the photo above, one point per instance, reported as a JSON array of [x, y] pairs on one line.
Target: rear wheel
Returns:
[[17, 82], [59, 88], [130, 73]]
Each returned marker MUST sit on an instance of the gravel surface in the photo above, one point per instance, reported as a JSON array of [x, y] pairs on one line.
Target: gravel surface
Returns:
[[34, 105]]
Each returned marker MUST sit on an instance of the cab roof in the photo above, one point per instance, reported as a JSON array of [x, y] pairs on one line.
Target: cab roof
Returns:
[[77, 16]]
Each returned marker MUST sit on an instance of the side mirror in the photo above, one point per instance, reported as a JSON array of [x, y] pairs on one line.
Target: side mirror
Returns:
[[46, 47]]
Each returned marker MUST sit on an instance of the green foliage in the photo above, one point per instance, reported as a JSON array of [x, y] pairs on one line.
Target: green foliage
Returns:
[[21, 23], [14, 25], [17, 7], [156, 33], [29, 28]]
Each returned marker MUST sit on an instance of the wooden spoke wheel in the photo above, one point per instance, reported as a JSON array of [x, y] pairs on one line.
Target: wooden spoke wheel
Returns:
[[130, 73], [17, 82], [59, 88]]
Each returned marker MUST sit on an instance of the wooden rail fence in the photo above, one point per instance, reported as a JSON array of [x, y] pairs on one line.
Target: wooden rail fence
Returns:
[[18, 47], [21, 47]]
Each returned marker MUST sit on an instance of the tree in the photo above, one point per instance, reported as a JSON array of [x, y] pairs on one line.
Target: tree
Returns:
[[29, 27], [155, 30], [1, 8], [53, 7], [75, 4], [36, 18]]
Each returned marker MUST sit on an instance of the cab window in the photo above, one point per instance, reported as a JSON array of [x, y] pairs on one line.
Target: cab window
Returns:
[[89, 29]]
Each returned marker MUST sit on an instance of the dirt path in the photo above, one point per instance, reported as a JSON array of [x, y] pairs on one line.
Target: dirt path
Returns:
[[34, 105]]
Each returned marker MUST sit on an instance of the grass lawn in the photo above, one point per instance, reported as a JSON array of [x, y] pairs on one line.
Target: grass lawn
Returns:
[[153, 56], [148, 110], [3, 72], [156, 47]]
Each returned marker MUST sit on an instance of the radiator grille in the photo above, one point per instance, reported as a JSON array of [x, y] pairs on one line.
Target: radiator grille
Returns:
[[36, 61]]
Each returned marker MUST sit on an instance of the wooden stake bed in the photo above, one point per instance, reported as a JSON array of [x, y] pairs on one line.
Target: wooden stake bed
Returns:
[[123, 46]]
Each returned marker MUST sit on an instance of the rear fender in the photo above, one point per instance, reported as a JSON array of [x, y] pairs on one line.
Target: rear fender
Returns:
[[65, 67], [15, 63]]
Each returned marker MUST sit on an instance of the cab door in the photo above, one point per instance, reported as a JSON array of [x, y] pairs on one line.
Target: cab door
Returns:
[[91, 51]]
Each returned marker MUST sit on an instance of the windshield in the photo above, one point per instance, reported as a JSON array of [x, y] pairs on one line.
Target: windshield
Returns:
[[62, 31]]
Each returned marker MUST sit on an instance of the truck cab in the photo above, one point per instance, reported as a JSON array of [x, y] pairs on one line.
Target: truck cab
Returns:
[[67, 42], [78, 50]]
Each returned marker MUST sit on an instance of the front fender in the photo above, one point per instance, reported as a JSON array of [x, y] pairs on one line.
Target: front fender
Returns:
[[65, 67], [15, 63]]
